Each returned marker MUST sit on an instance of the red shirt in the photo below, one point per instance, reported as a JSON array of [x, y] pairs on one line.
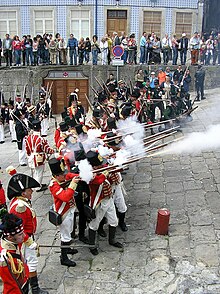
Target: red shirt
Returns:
[[16, 45]]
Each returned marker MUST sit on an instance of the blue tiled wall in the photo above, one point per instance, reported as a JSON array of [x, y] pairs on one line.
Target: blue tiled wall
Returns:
[[62, 7]]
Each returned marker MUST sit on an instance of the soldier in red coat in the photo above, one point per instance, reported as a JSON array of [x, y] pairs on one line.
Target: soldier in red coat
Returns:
[[37, 148], [13, 269], [102, 201], [20, 189], [2, 198], [64, 204]]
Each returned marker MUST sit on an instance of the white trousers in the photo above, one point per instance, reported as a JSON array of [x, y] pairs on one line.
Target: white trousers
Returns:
[[119, 199], [37, 173], [22, 154], [105, 208], [44, 126], [12, 130], [66, 227], [2, 133], [104, 57], [30, 255]]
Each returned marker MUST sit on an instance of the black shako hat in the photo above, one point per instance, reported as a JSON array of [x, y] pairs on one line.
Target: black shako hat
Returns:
[[126, 111], [111, 123], [18, 183], [57, 166], [114, 141], [96, 112], [79, 129], [36, 125], [63, 126], [79, 154], [11, 225], [95, 158]]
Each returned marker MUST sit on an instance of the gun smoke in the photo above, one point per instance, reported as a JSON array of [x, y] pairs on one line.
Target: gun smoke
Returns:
[[197, 142]]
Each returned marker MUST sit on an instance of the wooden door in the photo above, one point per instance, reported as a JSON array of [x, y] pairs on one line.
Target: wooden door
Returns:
[[116, 21], [61, 90]]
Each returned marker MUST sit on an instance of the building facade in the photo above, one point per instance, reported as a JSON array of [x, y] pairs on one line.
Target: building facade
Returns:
[[84, 18]]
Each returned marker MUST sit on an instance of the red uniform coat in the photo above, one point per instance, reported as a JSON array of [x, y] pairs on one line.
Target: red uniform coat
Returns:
[[62, 195], [26, 213], [9, 284], [2, 196], [94, 186], [37, 148]]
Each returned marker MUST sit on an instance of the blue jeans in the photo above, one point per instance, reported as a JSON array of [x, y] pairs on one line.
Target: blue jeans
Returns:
[[87, 56], [94, 57], [175, 55], [73, 55], [183, 54], [29, 55], [143, 54], [17, 56], [125, 56]]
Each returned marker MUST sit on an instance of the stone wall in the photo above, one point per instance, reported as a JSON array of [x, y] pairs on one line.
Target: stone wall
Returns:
[[16, 78]]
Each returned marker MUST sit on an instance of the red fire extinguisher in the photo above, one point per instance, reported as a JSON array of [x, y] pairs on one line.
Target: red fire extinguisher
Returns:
[[163, 218]]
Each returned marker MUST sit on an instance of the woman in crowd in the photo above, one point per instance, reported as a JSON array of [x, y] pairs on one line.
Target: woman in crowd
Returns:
[[104, 50], [95, 49], [17, 47]]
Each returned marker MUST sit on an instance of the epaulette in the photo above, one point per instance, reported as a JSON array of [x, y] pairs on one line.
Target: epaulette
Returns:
[[20, 208], [52, 182]]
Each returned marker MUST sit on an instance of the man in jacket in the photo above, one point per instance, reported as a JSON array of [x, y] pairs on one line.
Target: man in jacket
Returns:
[[7, 49]]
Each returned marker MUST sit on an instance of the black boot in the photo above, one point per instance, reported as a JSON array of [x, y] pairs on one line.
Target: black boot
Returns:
[[112, 231], [93, 249], [69, 250], [121, 223], [64, 260], [35, 289], [101, 231]]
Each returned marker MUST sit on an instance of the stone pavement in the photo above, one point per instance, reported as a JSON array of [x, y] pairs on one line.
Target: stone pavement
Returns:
[[186, 261]]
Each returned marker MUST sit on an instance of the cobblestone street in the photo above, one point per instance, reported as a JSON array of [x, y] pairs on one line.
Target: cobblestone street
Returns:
[[186, 261]]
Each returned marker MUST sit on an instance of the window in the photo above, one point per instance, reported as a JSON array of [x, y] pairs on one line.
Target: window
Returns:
[[183, 23], [117, 14], [80, 23], [8, 23], [152, 22], [43, 22]]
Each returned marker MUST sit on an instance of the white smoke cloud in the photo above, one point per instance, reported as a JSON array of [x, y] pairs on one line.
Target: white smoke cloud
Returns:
[[197, 142], [85, 170]]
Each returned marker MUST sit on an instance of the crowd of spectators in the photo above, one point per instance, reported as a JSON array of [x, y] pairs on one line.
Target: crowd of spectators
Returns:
[[150, 49]]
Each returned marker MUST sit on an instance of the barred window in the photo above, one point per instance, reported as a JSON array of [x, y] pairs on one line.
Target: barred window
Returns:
[[8, 23], [152, 22], [43, 22], [80, 23], [183, 23]]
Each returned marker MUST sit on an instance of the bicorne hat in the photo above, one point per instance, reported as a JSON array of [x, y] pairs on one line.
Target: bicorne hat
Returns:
[[18, 183]]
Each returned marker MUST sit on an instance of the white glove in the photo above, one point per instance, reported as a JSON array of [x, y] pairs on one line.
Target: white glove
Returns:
[[33, 246]]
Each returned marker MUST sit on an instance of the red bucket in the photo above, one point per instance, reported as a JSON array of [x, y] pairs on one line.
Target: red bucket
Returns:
[[163, 218]]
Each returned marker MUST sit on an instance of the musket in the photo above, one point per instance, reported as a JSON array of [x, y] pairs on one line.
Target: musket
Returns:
[[161, 133], [89, 102], [106, 88], [32, 93], [24, 92], [159, 138], [105, 109], [50, 89], [63, 246], [23, 124], [159, 123], [99, 84], [187, 112], [95, 92]]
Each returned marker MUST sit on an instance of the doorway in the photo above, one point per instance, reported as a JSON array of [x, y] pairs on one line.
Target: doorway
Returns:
[[61, 90], [116, 21]]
